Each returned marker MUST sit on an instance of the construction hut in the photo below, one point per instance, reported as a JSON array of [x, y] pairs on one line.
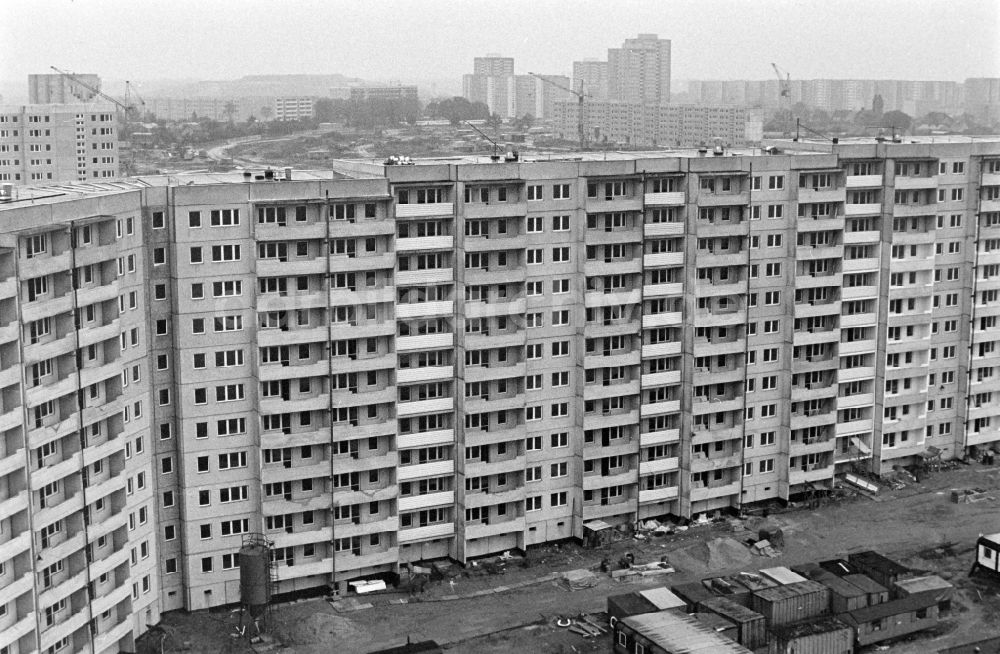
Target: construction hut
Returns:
[[692, 593], [792, 603], [931, 585], [628, 604], [988, 555], [877, 593], [719, 625], [597, 533], [782, 576], [892, 619], [844, 596], [839, 567], [825, 636], [882, 569], [669, 632], [663, 599], [751, 627]]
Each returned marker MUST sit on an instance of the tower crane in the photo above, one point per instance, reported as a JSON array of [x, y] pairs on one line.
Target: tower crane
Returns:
[[784, 95], [580, 95], [129, 110]]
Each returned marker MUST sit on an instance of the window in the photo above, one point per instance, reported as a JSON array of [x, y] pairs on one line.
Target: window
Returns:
[[535, 224], [775, 182], [194, 219], [558, 499], [560, 286], [560, 348], [533, 503], [535, 192], [560, 439], [560, 223], [559, 192], [766, 465]]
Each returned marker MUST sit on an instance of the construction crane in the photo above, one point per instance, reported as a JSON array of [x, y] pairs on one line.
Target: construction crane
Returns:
[[580, 95], [784, 96], [129, 110], [497, 148]]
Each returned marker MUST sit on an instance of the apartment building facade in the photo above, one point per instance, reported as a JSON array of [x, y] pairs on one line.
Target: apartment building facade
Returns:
[[454, 358], [56, 88], [50, 143]]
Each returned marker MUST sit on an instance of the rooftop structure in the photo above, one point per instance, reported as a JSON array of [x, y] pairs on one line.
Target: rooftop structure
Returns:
[[392, 363]]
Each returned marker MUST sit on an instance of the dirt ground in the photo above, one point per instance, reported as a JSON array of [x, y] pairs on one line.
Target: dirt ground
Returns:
[[917, 525]]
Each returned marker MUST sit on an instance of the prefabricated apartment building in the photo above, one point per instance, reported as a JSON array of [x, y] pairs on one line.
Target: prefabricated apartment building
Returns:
[[389, 363]]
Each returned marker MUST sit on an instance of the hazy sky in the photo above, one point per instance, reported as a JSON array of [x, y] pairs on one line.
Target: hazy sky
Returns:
[[436, 39]]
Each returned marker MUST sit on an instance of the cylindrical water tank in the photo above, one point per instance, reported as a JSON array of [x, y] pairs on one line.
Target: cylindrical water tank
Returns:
[[255, 583]]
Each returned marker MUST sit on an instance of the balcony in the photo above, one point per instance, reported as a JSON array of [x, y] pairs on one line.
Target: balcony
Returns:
[[668, 199], [495, 371], [599, 421], [494, 242], [611, 358], [866, 236], [623, 476], [427, 209], [821, 195], [872, 209], [864, 181], [418, 243], [496, 209], [701, 493], [424, 342], [658, 495], [494, 528], [609, 203], [436, 405], [811, 474], [612, 267], [658, 465], [720, 317], [663, 259], [421, 277], [661, 349], [661, 378], [346, 561], [664, 229], [662, 437], [918, 209], [718, 404], [430, 532], [423, 374], [424, 309], [667, 319], [662, 290], [415, 502], [420, 470], [618, 235], [425, 439], [704, 464], [659, 408], [615, 297]]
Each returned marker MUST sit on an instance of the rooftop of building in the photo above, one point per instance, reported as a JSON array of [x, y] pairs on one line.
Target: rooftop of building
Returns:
[[48, 108]]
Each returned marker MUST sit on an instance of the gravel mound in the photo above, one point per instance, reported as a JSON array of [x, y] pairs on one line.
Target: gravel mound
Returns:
[[715, 555]]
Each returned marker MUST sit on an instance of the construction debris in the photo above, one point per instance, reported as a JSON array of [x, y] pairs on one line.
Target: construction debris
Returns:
[[970, 495], [578, 579]]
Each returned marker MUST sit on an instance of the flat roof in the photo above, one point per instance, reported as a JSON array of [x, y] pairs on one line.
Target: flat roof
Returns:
[[797, 630], [663, 598], [678, 633], [887, 609]]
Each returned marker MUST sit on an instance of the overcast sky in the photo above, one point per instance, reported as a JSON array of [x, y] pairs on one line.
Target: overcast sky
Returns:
[[437, 39]]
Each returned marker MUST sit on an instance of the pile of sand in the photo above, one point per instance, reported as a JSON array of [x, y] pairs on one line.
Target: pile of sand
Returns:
[[717, 554]]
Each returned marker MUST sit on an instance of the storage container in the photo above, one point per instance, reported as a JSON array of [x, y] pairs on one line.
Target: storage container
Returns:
[[751, 627], [792, 603]]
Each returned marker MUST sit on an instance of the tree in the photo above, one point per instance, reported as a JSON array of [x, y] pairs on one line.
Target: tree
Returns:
[[897, 119], [266, 112], [457, 109], [230, 111], [524, 122]]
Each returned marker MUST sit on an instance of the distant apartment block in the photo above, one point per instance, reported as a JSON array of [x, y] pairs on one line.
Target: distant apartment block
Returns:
[[44, 143], [391, 93], [634, 124], [294, 108], [59, 89], [639, 71], [982, 97], [386, 364], [593, 74]]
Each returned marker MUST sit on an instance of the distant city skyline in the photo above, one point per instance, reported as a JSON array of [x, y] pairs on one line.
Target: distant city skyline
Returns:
[[390, 41]]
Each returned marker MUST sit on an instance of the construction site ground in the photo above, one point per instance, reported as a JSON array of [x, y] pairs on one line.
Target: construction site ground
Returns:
[[516, 611]]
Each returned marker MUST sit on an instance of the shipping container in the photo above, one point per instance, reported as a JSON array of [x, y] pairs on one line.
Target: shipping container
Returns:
[[622, 606], [670, 632], [663, 599], [782, 576], [752, 627], [719, 625], [692, 593], [892, 619], [825, 636], [792, 603], [729, 587], [883, 570], [932, 585], [877, 593], [844, 596]]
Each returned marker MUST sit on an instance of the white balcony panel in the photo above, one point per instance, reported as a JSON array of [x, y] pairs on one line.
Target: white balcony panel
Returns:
[[427, 209], [862, 209], [668, 319], [667, 199], [414, 502], [421, 470], [419, 277], [663, 259], [425, 439], [445, 530], [661, 378], [658, 495], [863, 181], [661, 290], [424, 309], [663, 229], [427, 373], [423, 342], [658, 465], [436, 405], [661, 349], [648, 439]]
